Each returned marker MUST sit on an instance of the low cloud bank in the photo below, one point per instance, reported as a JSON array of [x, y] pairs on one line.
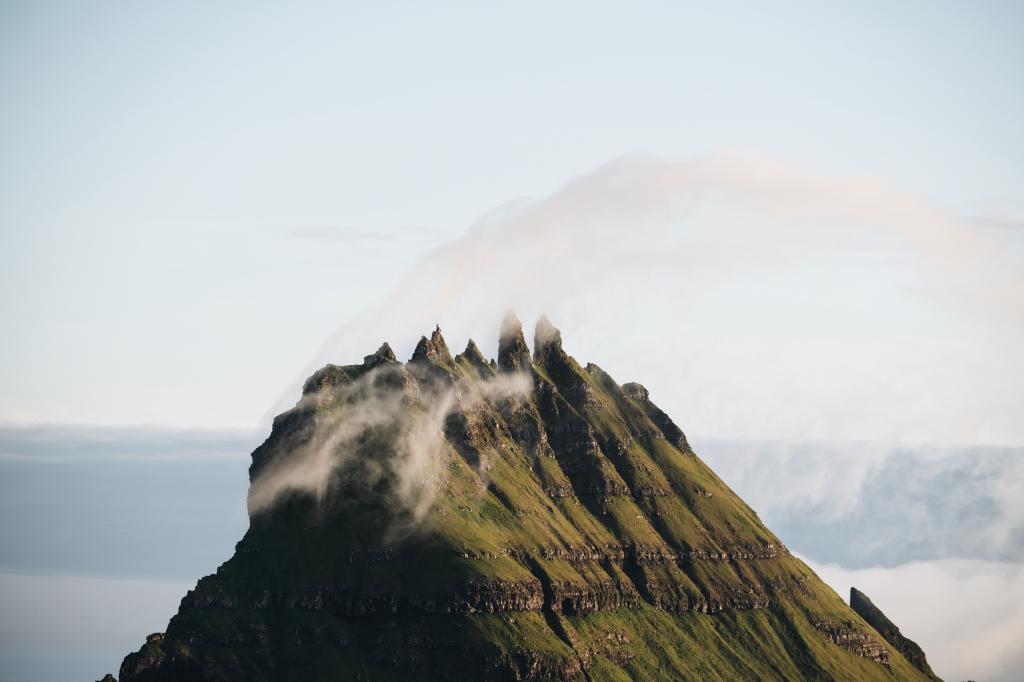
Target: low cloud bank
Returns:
[[87, 441], [861, 504]]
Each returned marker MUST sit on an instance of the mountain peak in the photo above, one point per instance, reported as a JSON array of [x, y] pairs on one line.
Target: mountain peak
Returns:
[[513, 353], [433, 349], [473, 355], [382, 355], [636, 391], [547, 339]]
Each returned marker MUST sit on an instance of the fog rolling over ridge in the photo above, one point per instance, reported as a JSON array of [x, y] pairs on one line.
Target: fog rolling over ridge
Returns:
[[376, 402], [790, 305]]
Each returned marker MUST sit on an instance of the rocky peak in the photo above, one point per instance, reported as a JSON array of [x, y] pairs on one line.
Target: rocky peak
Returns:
[[547, 339], [636, 392], [383, 354], [513, 353], [473, 355], [433, 349]]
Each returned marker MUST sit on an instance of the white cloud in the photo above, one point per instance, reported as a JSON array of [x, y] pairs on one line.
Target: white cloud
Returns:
[[755, 300], [376, 401], [865, 504]]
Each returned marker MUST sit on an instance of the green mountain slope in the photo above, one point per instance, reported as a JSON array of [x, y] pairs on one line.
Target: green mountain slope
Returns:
[[454, 518]]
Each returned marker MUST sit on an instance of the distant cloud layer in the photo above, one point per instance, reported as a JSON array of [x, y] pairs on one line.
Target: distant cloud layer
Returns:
[[81, 441], [862, 505]]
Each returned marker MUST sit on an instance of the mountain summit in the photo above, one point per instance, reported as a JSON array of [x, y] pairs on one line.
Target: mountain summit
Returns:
[[457, 518]]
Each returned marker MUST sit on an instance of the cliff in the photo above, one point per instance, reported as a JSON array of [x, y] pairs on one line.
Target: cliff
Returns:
[[860, 603], [455, 518]]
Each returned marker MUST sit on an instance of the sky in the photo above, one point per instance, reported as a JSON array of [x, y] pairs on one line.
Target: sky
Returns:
[[801, 226]]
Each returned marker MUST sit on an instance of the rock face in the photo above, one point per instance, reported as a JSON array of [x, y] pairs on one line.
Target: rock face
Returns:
[[513, 353], [860, 603], [461, 519], [855, 640]]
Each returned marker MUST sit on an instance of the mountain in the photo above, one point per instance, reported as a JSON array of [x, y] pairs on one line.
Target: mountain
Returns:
[[459, 518], [860, 603]]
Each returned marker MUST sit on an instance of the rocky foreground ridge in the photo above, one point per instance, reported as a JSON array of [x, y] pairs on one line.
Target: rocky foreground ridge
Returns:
[[524, 518]]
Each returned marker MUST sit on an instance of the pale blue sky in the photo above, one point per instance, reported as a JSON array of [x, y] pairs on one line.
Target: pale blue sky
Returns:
[[167, 169]]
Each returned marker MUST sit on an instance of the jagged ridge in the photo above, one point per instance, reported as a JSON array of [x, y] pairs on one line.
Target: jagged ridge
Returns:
[[562, 529]]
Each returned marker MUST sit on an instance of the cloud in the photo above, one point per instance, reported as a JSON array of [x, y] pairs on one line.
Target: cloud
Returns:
[[967, 615], [85, 441], [863, 504], [757, 300], [1011, 223], [380, 427]]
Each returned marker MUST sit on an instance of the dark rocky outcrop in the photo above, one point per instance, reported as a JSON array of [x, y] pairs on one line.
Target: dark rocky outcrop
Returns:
[[433, 349], [855, 640], [454, 518], [513, 353], [664, 423], [860, 603], [547, 340], [474, 357], [382, 355]]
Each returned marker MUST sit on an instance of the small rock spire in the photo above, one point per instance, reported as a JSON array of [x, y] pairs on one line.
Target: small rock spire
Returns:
[[513, 353], [383, 354], [439, 344], [636, 391], [434, 348], [546, 338], [473, 354]]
